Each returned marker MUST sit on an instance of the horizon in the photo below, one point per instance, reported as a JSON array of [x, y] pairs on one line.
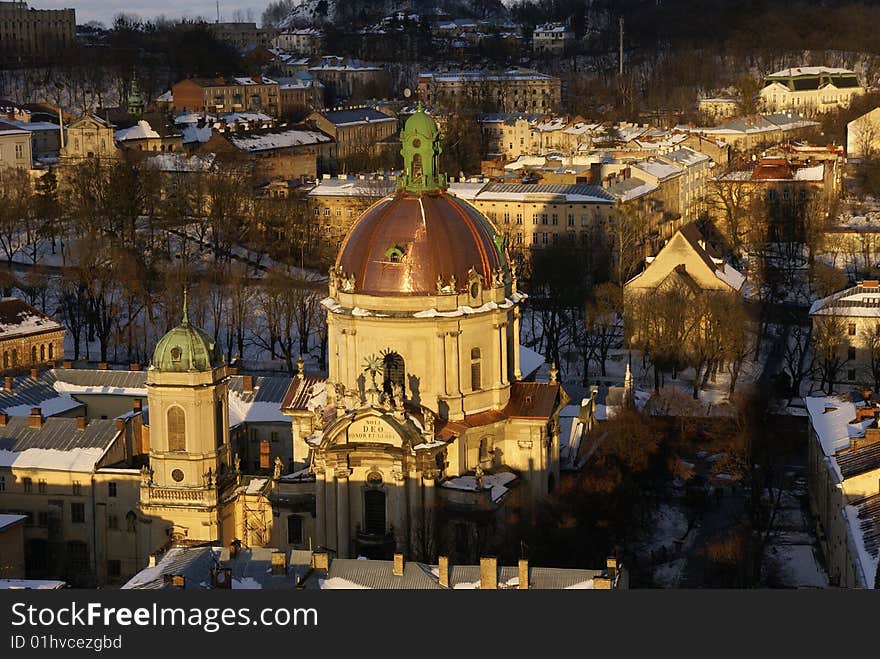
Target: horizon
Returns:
[[104, 12]]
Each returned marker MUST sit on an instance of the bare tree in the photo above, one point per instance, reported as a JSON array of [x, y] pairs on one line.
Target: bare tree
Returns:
[[829, 347]]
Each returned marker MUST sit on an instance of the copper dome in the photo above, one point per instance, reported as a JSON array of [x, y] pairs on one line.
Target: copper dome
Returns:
[[405, 242]]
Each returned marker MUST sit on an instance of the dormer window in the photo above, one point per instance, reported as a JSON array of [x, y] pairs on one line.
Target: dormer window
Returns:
[[176, 353], [395, 254]]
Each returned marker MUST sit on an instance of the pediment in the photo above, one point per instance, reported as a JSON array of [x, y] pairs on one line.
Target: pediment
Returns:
[[371, 427]]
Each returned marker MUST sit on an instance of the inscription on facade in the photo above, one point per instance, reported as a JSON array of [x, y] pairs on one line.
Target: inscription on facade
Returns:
[[373, 430]]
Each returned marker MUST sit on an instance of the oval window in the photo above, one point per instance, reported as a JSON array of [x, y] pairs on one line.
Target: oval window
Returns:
[[417, 143], [176, 353], [475, 289], [177, 475]]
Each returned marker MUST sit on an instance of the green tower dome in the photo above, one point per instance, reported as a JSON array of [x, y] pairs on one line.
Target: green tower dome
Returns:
[[421, 154], [186, 348]]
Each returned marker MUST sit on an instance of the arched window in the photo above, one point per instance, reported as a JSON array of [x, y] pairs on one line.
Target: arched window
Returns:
[[485, 455], [176, 429], [5, 359], [14, 357], [43, 352], [395, 372], [476, 370], [33, 354], [374, 512], [417, 166], [51, 351], [130, 521]]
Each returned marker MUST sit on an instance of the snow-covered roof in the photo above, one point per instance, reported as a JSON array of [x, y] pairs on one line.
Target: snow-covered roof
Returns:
[[861, 301], [349, 186], [179, 162], [261, 404], [863, 523], [277, 139], [193, 133], [140, 131], [529, 361], [486, 76], [807, 71], [166, 97], [567, 193], [18, 318], [497, 483], [31, 584], [658, 169], [8, 520]]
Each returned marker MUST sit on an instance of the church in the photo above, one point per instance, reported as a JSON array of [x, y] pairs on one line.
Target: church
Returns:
[[422, 438]]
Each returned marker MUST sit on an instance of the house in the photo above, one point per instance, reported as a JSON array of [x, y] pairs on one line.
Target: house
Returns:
[[288, 152], [150, 135], [857, 310], [844, 485], [719, 107], [300, 94], [863, 136], [12, 545], [28, 337], [15, 147], [303, 41], [355, 130], [552, 38], [45, 138], [809, 90], [688, 257], [749, 133]]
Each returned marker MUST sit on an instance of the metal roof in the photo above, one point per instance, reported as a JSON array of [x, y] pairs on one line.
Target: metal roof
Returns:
[[57, 433], [267, 389], [868, 511], [300, 392], [87, 377], [356, 115], [856, 462], [28, 391]]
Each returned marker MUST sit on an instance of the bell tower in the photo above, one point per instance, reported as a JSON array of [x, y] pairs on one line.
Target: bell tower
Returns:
[[421, 154], [187, 395]]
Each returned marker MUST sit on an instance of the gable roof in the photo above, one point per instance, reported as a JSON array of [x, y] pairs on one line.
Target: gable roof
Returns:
[[18, 318]]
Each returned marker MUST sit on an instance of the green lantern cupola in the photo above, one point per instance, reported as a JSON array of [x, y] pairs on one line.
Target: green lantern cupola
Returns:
[[186, 348], [421, 154]]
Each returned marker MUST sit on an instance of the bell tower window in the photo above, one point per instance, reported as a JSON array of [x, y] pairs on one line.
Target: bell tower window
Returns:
[[176, 429]]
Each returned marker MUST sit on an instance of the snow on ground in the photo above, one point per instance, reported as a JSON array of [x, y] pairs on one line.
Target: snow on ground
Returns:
[[791, 557]]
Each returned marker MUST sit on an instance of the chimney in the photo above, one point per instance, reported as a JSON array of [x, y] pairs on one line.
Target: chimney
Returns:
[[178, 581], [35, 420], [489, 573], [102, 366], [523, 574], [247, 383], [443, 570], [4, 419], [35, 373], [321, 561], [81, 423], [67, 364], [601, 583], [611, 567], [136, 405], [134, 366], [279, 562], [8, 383]]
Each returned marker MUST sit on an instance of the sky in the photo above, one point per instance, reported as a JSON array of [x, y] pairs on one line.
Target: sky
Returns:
[[105, 10]]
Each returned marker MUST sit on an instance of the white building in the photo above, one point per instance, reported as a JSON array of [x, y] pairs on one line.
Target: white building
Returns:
[[15, 147], [810, 90], [553, 38], [844, 484]]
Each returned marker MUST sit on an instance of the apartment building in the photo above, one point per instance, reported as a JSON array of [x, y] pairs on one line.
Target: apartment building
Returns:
[[28, 34], [233, 94], [514, 90], [810, 90]]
